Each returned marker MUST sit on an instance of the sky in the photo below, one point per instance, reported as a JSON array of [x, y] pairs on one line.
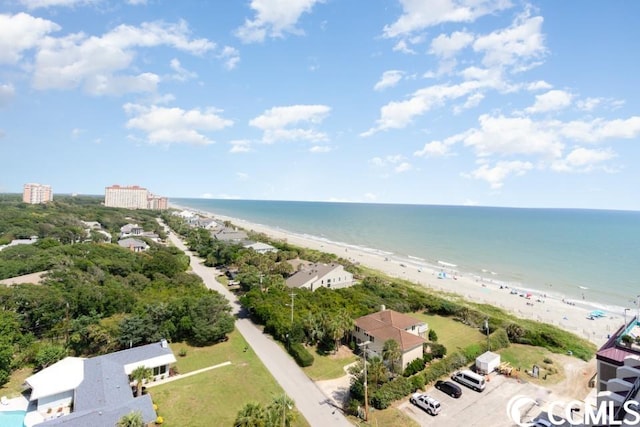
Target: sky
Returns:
[[456, 102]]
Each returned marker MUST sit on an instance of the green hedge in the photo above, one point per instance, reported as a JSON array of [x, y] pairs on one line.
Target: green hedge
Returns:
[[302, 357], [393, 390]]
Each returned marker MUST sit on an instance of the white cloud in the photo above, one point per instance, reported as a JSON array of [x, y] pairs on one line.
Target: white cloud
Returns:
[[136, 2], [551, 101], [320, 149], [447, 46], [403, 47], [472, 101], [389, 78], [583, 159], [589, 104], [21, 32], [240, 146], [497, 174], [181, 73], [276, 123], [399, 114], [420, 14], [370, 196], [599, 129], [230, 56], [98, 63], [175, 125], [500, 135], [273, 19], [76, 132], [402, 167], [36, 4], [433, 149], [7, 91], [538, 85], [242, 176], [513, 46], [396, 162], [206, 196]]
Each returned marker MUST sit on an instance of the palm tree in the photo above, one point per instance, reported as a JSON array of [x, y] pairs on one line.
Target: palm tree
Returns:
[[376, 372], [132, 419], [281, 411], [252, 414], [139, 375], [391, 354]]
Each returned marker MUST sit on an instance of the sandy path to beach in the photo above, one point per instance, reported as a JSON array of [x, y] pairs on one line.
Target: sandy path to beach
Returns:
[[569, 315]]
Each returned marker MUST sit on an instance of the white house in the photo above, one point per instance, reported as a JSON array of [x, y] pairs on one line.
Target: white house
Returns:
[[314, 276], [76, 392], [261, 248], [128, 230], [407, 331]]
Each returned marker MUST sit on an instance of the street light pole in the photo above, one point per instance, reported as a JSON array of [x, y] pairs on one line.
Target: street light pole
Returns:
[[366, 396], [486, 327]]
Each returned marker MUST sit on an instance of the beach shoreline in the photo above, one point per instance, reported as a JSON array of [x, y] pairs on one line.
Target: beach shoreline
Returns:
[[526, 302]]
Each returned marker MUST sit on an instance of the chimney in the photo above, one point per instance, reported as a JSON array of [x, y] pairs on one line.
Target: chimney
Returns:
[[383, 307]]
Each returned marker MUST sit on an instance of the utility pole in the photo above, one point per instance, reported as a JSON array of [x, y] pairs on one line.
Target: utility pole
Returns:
[[486, 327], [364, 345], [292, 295]]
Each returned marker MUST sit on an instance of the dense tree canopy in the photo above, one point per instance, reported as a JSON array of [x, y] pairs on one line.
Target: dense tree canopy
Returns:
[[96, 297]]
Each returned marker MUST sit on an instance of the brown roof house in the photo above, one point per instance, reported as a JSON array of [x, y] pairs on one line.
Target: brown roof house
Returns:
[[384, 325], [314, 276]]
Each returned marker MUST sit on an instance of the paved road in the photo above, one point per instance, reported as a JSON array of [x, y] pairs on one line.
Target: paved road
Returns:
[[309, 399]]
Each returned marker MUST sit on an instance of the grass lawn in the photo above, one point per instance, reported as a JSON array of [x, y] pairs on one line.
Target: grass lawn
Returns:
[[213, 398], [525, 356], [390, 417], [14, 387], [330, 366], [452, 334]]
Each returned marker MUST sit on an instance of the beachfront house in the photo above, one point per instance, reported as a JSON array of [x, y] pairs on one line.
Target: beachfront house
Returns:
[[261, 248], [228, 234], [133, 245], [377, 328], [77, 392], [618, 370], [317, 275]]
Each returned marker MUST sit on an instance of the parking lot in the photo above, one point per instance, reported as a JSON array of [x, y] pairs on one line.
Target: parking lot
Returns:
[[488, 408]]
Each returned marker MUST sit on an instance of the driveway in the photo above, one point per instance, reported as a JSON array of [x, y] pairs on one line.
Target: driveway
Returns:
[[310, 401]]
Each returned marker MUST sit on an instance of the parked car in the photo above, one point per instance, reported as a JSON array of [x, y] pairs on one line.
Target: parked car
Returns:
[[541, 422], [429, 404], [449, 388]]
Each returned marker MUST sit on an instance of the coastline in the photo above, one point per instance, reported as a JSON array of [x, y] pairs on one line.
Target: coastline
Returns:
[[525, 302]]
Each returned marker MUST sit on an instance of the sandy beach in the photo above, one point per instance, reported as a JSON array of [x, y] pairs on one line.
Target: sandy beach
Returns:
[[571, 315]]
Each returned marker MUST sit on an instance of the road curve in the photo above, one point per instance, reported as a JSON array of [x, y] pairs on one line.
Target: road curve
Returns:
[[309, 399]]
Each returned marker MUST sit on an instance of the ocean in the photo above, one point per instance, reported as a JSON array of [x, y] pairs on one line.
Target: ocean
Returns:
[[590, 255]]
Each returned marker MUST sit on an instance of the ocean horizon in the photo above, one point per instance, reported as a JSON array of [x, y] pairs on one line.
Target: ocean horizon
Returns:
[[584, 255]]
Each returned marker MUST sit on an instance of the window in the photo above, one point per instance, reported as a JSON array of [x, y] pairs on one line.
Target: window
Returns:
[[357, 328]]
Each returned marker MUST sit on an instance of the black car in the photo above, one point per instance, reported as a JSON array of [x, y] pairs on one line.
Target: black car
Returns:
[[449, 388]]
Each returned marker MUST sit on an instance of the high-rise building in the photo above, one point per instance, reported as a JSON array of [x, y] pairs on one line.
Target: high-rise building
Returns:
[[37, 193], [132, 197]]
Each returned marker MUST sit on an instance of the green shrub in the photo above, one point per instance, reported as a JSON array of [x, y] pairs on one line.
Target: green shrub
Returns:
[[437, 350], [414, 367], [499, 339], [417, 382], [302, 357], [433, 336], [388, 392]]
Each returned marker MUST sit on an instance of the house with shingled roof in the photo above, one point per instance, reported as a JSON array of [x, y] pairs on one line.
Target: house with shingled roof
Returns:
[[318, 275], [407, 331], [77, 392]]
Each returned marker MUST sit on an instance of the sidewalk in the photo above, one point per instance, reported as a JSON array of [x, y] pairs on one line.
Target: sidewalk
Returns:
[[188, 374]]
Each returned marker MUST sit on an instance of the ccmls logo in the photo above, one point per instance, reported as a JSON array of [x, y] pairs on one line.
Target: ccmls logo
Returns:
[[515, 407], [604, 414]]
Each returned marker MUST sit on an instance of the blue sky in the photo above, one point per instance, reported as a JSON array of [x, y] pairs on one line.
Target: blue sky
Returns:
[[476, 102]]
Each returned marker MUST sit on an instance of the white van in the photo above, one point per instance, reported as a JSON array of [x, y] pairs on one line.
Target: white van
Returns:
[[469, 379]]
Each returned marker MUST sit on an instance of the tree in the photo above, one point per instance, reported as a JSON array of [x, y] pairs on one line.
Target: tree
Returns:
[[391, 354], [280, 411], [433, 337], [132, 419], [139, 375], [376, 373], [48, 355], [252, 414]]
